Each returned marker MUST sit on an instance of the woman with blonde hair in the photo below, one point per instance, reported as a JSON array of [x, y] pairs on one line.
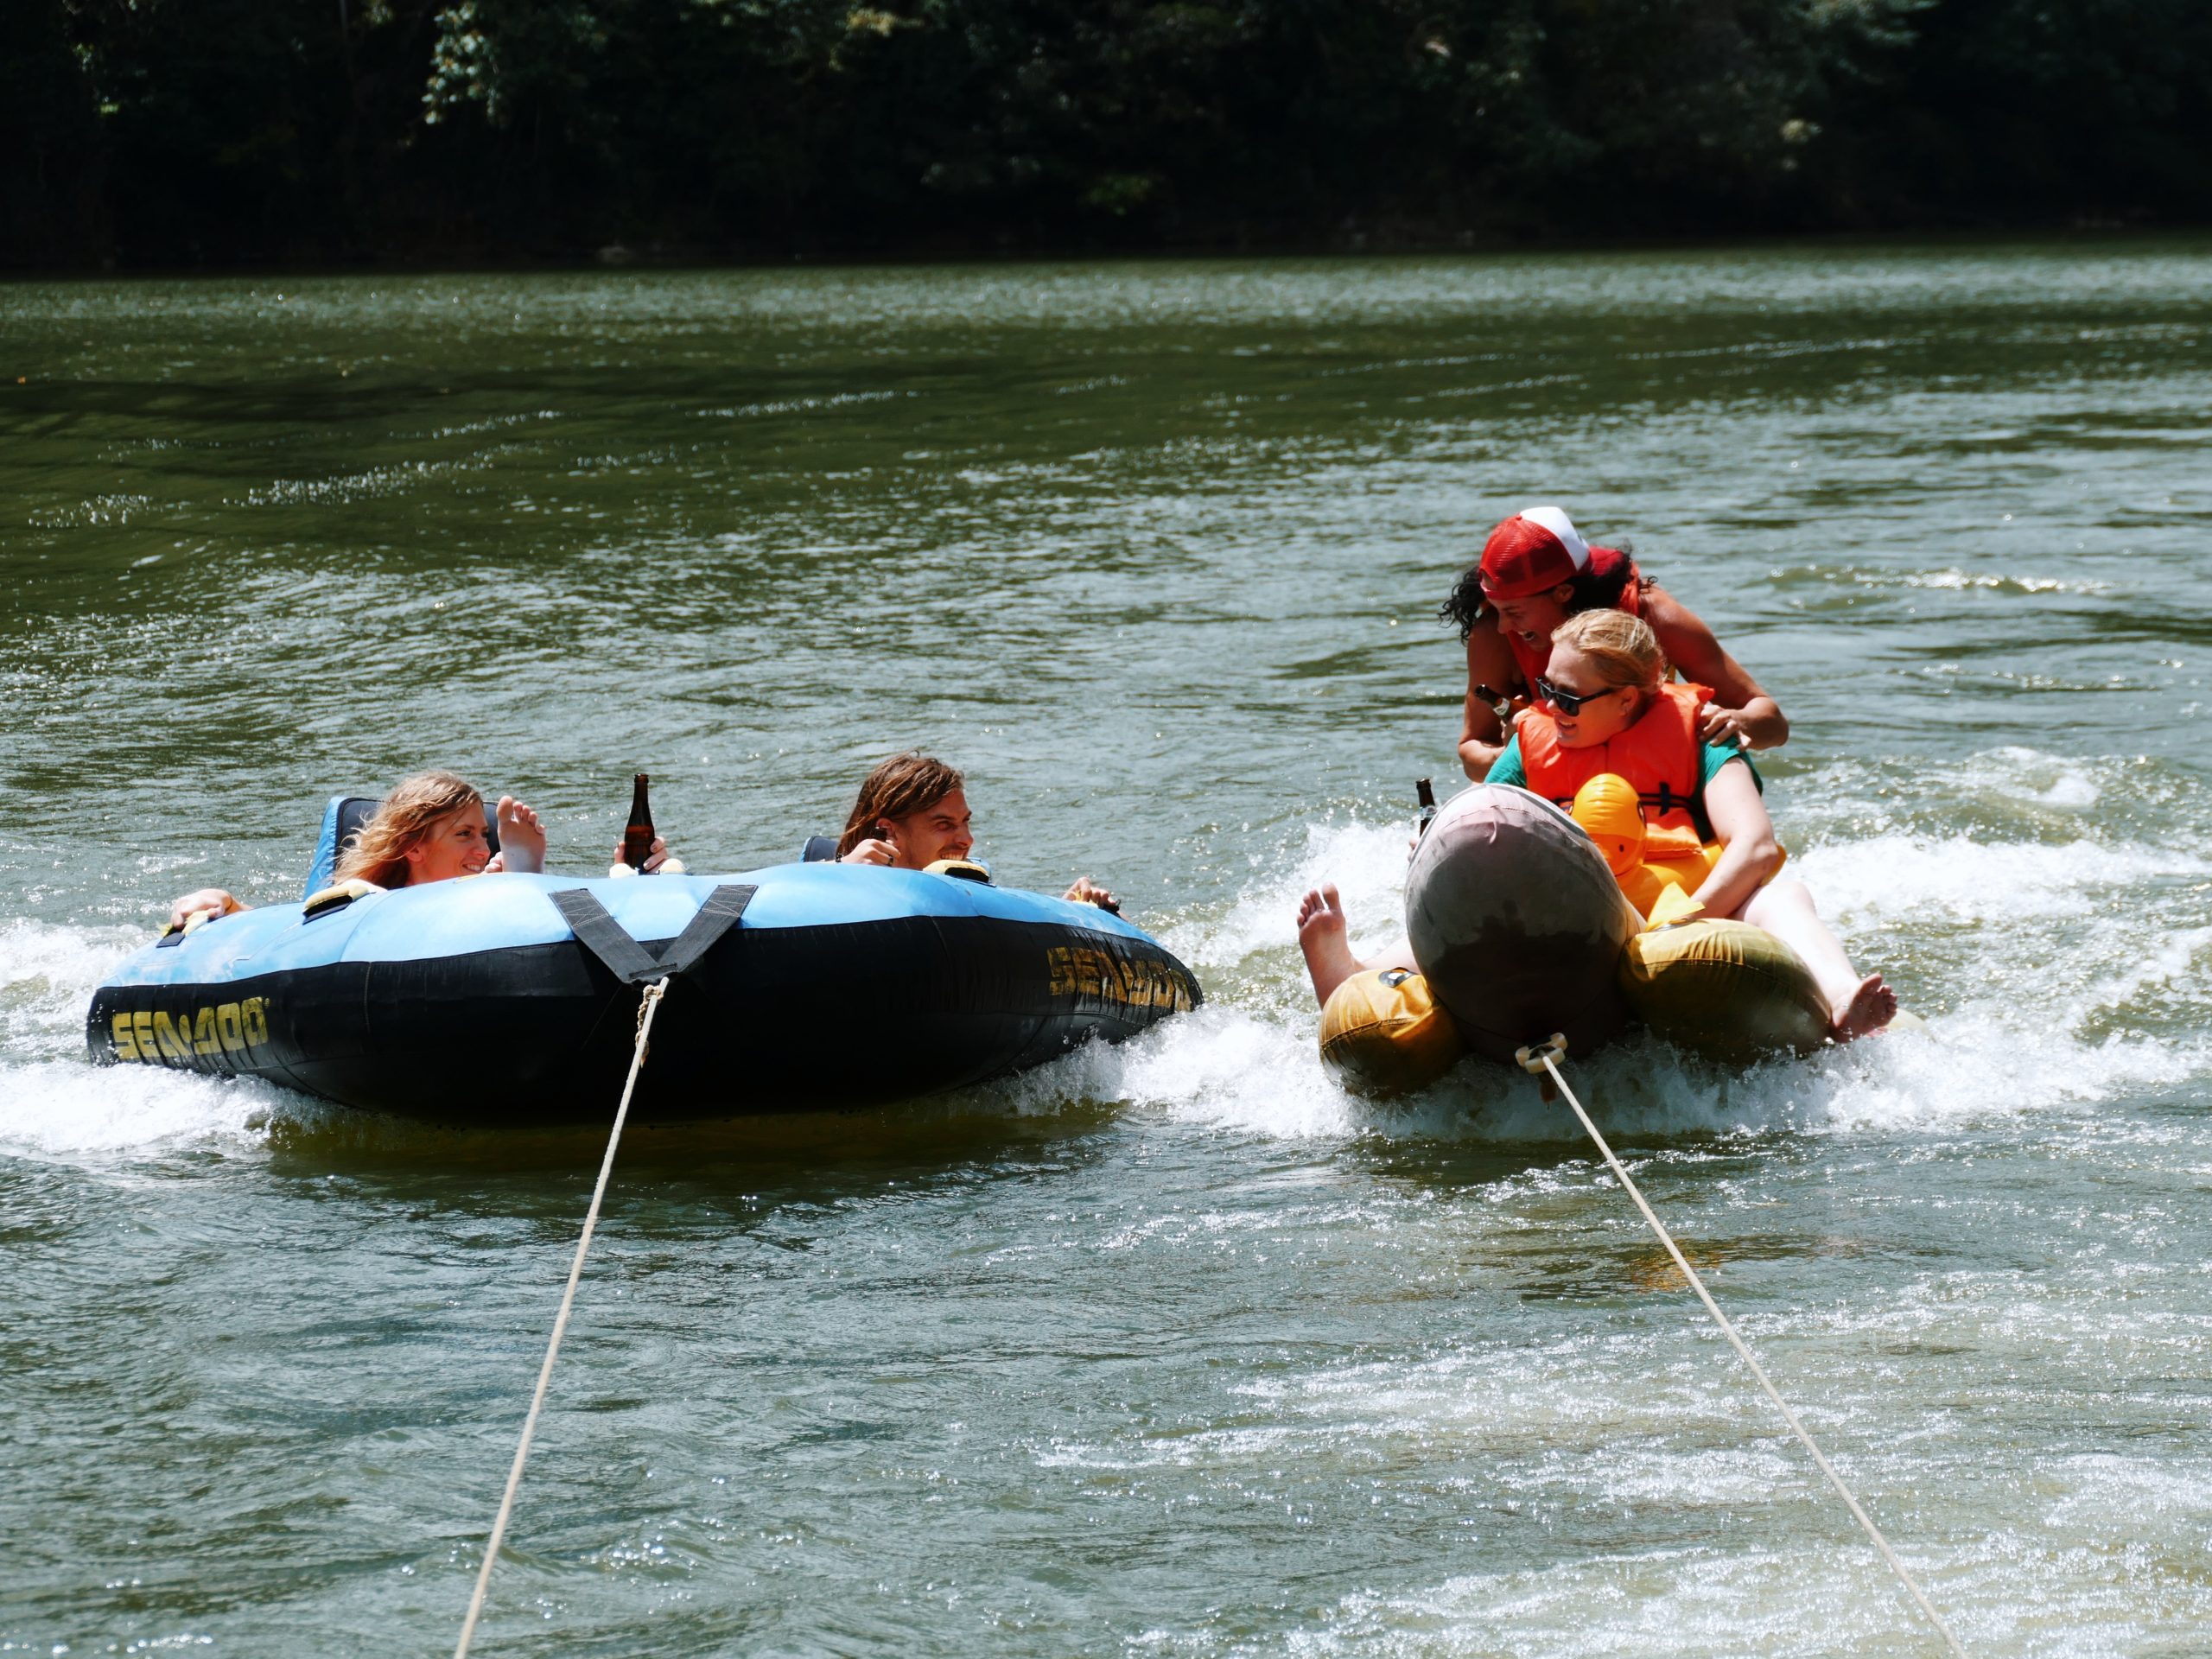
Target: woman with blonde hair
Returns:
[[1603, 705], [430, 828], [1536, 570]]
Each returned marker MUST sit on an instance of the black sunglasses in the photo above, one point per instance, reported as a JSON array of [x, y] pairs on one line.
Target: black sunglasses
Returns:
[[1570, 703]]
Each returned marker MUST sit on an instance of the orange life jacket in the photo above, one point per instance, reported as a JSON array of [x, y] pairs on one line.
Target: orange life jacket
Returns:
[[1661, 755], [1604, 560]]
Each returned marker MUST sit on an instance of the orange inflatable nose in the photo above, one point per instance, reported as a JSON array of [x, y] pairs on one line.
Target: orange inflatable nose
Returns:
[[1607, 810]]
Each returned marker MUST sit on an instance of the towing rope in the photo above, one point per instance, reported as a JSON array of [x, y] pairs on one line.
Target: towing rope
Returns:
[[646, 1009], [1542, 1057]]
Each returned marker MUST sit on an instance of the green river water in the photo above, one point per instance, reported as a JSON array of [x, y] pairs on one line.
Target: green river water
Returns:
[[1175, 1350]]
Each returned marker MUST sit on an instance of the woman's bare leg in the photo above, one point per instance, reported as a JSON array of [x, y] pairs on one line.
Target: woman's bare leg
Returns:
[[1324, 935], [1856, 1004]]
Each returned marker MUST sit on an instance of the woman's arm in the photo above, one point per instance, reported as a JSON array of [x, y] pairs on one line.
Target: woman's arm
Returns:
[[1481, 737], [1750, 853], [211, 902], [656, 856], [1740, 709]]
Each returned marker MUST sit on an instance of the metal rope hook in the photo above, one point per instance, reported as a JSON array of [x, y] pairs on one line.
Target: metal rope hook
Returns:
[[646, 1008], [1543, 1059]]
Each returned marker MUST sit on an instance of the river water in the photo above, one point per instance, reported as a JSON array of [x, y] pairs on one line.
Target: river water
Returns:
[[1175, 1350]]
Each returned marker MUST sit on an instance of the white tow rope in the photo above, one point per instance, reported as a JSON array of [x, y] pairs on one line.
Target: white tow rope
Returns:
[[646, 1009], [1541, 1058]]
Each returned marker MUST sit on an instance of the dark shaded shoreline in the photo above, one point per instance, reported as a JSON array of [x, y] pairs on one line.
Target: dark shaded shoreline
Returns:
[[426, 261], [194, 135]]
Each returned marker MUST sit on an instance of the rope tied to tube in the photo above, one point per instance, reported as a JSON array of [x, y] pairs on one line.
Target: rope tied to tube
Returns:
[[1543, 1059], [648, 1006]]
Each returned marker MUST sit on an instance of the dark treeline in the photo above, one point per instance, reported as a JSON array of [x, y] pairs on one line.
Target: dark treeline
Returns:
[[152, 133]]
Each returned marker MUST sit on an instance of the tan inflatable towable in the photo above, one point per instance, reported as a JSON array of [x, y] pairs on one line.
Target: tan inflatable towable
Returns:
[[1723, 990], [1521, 921], [1383, 1033]]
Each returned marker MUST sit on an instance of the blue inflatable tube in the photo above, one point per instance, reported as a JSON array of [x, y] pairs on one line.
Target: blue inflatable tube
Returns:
[[511, 1000]]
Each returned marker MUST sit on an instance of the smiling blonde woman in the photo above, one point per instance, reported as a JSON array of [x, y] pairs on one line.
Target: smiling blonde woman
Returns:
[[429, 827]]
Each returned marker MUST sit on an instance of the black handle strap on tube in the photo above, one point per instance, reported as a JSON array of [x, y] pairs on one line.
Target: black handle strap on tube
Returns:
[[629, 961], [724, 907]]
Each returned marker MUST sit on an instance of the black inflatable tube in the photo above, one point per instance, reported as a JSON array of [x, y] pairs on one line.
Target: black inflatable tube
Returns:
[[784, 1019]]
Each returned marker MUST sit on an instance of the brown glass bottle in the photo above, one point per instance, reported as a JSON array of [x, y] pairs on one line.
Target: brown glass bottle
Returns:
[[638, 834]]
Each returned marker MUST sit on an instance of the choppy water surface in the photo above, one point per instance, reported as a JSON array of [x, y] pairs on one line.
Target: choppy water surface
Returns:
[[1177, 1349]]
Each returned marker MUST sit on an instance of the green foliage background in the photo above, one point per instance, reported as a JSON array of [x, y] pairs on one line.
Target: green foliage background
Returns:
[[184, 131]]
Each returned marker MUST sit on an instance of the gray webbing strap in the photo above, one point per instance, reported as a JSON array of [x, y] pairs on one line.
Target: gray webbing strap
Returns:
[[602, 936], [629, 962], [724, 906]]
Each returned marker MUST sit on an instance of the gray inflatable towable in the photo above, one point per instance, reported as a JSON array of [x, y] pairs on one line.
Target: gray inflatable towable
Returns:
[[1517, 923]]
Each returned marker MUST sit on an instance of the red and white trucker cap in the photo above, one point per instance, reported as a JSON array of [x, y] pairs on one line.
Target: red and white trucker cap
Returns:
[[1533, 552]]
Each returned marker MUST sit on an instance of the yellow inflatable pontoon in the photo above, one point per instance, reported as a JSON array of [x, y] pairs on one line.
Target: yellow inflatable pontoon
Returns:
[[1382, 1032]]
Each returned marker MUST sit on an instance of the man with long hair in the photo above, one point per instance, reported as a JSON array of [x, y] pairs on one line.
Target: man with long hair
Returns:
[[912, 812]]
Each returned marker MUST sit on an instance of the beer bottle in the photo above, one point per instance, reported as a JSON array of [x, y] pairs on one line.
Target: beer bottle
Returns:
[[1427, 798], [638, 834]]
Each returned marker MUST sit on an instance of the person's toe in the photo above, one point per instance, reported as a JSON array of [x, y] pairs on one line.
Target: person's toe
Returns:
[[1873, 1005]]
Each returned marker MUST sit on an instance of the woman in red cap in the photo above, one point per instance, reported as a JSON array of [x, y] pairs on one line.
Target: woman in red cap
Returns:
[[1536, 571]]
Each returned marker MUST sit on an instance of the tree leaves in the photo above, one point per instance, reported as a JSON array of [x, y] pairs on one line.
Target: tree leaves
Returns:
[[183, 130]]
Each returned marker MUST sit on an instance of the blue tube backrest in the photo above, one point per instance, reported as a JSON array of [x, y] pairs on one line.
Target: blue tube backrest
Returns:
[[326, 849], [343, 818]]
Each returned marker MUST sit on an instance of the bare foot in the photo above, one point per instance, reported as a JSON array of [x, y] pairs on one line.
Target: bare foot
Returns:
[[1324, 934], [1871, 1006], [522, 838]]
